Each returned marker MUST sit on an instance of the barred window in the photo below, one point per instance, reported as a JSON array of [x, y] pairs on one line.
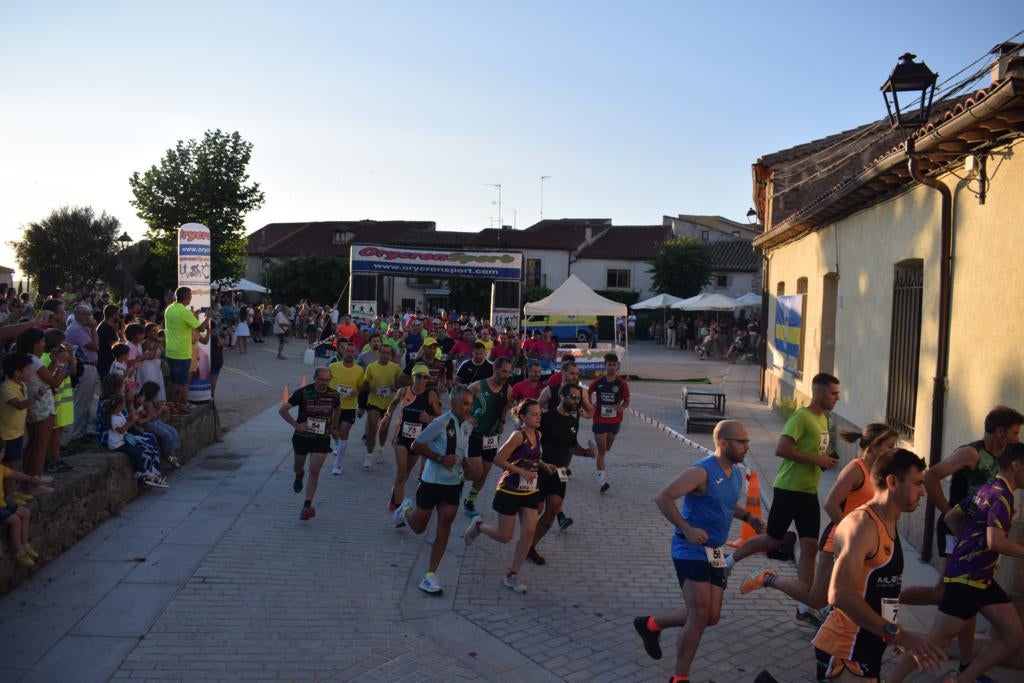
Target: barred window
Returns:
[[905, 346]]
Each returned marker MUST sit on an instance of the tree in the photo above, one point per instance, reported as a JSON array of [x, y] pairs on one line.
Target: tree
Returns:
[[531, 294], [472, 295], [319, 278], [681, 267], [70, 248], [199, 182]]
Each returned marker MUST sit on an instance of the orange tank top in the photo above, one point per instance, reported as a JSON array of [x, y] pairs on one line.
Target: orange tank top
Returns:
[[861, 496]]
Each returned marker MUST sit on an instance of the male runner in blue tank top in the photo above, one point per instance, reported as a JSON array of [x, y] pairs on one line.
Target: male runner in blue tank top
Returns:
[[710, 490]]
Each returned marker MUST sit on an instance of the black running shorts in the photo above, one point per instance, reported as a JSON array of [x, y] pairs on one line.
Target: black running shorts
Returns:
[[793, 506]]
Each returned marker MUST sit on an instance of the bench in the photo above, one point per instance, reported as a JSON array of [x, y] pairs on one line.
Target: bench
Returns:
[[703, 406]]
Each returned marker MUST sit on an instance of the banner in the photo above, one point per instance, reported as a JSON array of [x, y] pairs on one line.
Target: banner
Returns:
[[194, 273], [505, 317], [496, 265], [787, 331], [365, 311]]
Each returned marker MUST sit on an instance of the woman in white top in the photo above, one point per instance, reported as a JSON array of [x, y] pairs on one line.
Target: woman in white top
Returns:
[[242, 330]]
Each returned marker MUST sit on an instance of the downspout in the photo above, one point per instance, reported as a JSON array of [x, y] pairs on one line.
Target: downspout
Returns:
[[942, 351], [763, 341]]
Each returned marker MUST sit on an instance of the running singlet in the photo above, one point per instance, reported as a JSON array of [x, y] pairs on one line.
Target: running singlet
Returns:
[[346, 381], [881, 578], [713, 511], [527, 457], [966, 482], [488, 407], [609, 393], [382, 380], [446, 435], [862, 495], [411, 426], [558, 436], [315, 409], [470, 372], [971, 562], [526, 389], [413, 343]]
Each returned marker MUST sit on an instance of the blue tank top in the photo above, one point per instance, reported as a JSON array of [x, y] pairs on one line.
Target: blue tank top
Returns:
[[712, 512], [413, 342]]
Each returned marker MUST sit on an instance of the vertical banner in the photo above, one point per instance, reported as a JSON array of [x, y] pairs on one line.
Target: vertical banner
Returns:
[[194, 272], [787, 330], [363, 311]]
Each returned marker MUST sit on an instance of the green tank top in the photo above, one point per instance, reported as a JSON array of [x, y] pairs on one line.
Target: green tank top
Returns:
[[487, 409], [966, 482]]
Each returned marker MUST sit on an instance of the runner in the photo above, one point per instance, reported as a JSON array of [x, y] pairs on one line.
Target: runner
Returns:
[[370, 354], [347, 378], [982, 523], [710, 490], [612, 399], [852, 489], [865, 587], [971, 466], [461, 351], [476, 368], [490, 407], [558, 428], [804, 448], [517, 494], [569, 376], [417, 406], [412, 341], [380, 383], [445, 344], [319, 411], [529, 387]]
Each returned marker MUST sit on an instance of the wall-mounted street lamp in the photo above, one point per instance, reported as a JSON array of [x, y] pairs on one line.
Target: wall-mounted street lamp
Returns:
[[909, 76]]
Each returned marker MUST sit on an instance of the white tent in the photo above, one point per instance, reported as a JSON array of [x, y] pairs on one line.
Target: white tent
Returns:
[[656, 301], [750, 299], [575, 298], [242, 285], [709, 302]]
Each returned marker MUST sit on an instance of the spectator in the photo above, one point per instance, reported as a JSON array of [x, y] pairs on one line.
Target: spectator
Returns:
[[242, 331], [256, 327], [14, 403], [55, 349], [180, 328], [151, 415], [150, 370], [740, 344], [16, 516], [41, 413], [116, 423], [121, 366], [85, 344], [106, 333]]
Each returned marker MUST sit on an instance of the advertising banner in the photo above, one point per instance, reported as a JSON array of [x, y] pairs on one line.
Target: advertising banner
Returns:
[[194, 272], [787, 331], [496, 265], [505, 317], [364, 311]]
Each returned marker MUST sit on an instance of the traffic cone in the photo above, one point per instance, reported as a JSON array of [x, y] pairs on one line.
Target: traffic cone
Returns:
[[285, 394], [753, 507]]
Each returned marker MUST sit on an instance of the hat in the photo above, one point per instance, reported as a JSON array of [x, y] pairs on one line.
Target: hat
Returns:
[[429, 341], [420, 369]]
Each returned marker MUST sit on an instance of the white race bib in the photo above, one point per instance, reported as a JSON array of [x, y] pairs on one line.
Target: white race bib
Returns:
[[491, 441], [950, 543], [346, 392], [608, 411], [410, 430], [716, 556], [563, 474], [527, 486], [890, 609], [384, 391], [317, 425], [823, 441], [444, 357]]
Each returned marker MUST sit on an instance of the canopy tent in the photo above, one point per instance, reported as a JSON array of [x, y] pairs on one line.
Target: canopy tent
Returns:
[[573, 297], [750, 299], [656, 301], [242, 285], [709, 302]]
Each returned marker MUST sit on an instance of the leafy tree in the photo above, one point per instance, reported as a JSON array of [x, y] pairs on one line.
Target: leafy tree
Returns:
[[471, 295], [71, 248], [199, 182], [531, 294], [681, 267], [319, 278]]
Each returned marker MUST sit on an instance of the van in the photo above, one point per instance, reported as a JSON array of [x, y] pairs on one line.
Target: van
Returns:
[[564, 327]]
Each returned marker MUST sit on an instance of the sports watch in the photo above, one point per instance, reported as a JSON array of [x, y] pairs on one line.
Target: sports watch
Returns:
[[891, 631]]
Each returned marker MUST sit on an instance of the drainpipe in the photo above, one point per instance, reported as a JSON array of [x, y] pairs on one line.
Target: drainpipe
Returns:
[[942, 350], [763, 341]]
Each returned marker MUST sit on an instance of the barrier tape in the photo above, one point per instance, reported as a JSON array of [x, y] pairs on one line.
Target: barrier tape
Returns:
[[657, 424]]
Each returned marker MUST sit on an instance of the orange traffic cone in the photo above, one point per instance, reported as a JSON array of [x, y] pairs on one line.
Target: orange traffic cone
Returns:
[[285, 394], [753, 506]]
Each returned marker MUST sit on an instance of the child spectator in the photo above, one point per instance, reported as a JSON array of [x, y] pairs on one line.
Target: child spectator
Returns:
[[14, 405], [63, 396], [150, 371], [15, 516], [117, 423], [122, 366], [147, 466], [151, 414]]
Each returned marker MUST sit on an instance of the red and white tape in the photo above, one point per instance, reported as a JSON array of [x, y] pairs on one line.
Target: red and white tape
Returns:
[[657, 424]]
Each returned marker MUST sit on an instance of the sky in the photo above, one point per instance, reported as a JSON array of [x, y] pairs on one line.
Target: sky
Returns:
[[409, 110]]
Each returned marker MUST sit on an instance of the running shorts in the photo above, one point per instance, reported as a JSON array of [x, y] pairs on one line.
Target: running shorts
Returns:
[[509, 504], [610, 428], [348, 415], [963, 602], [362, 399], [794, 506], [306, 445], [550, 484], [430, 496], [699, 571], [477, 450], [829, 666]]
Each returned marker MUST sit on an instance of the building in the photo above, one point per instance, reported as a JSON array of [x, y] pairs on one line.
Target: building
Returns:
[[855, 241], [709, 228], [7, 276]]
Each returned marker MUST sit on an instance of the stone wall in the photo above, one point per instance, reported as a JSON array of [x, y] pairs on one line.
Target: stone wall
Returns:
[[99, 486]]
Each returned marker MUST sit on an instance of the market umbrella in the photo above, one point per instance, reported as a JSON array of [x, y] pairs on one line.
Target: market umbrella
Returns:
[[657, 301], [709, 302], [750, 299]]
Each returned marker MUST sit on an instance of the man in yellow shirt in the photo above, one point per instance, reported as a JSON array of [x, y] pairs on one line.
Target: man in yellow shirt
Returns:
[[347, 377], [380, 381], [180, 330]]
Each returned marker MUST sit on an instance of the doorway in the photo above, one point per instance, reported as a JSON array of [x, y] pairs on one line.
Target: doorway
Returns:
[[829, 298]]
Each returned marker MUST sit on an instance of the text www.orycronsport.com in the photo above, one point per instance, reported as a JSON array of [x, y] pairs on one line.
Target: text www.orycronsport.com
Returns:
[[437, 270]]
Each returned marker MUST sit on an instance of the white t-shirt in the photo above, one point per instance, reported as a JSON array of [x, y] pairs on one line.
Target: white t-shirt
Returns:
[[280, 321], [115, 439]]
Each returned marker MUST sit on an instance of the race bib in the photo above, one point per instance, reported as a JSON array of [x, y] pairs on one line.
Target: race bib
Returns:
[[608, 411], [950, 543], [384, 391], [716, 556], [823, 441], [491, 441], [563, 474], [527, 486], [410, 430], [890, 609], [444, 357], [346, 392], [317, 425]]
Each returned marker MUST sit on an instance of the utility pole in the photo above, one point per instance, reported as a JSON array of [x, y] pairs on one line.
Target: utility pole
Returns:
[[542, 179], [497, 185]]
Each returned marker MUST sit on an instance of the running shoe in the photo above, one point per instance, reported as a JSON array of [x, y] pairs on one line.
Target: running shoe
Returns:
[[535, 557], [810, 617], [380, 455], [469, 507], [602, 481], [513, 583], [400, 513], [756, 580], [652, 646], [367, 462], [430, 585], [21, 498], [564, 522], [24, 559], [307, 513], [392, 505], [155, 482], [336, 470], [472, 531], [30, 551], [45, 478], [297, 485]]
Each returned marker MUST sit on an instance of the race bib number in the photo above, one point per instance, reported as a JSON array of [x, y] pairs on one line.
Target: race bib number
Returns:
[[527, 486], [608, 411], [950, 544], [384, 391], [344, 391], [716, 556], [563, 474], [823, 443], [491, 441], [317, 425], [890, 609], [444, 357], [410, 430]]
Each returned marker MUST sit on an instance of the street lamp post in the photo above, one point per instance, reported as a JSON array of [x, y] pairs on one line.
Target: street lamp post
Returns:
[[542, 179], [125, 241]]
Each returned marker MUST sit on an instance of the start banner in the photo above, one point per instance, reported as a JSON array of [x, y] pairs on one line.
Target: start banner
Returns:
[[386, 260], [194, 273]]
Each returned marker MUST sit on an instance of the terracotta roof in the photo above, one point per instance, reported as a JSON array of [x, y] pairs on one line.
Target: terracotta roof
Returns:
[[627, 242], [291, 239], [734, 256]]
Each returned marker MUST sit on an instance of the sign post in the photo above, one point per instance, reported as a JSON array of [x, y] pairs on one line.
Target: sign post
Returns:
[[194, 273]]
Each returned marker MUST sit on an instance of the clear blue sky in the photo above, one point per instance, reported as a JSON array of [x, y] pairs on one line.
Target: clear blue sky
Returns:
[[391, 110]]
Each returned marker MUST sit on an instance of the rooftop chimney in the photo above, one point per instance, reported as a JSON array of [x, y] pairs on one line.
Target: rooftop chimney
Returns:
[[588, 235], [506, 227], [1003, 54]]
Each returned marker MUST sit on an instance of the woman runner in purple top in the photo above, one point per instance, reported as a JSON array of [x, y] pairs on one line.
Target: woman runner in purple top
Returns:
[[517, 494]]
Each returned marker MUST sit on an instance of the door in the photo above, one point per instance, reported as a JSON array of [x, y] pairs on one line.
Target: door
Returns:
[[829, 296]]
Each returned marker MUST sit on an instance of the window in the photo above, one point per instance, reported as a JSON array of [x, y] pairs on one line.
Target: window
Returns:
[[705, 235], [801, 288], [780, 289], [534, 278], [721, 281], [617, 278], [342, 236], [904, 346]]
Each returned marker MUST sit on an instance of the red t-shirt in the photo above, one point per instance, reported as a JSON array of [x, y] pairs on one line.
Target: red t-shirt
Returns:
[[359, 343], [461, 349], [524, 389], [349, 331], [500, 352], [608, 395], [545, 350], [555, 380]]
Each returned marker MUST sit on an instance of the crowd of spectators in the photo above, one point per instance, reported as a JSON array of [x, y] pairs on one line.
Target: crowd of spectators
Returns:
[[731, 338]]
